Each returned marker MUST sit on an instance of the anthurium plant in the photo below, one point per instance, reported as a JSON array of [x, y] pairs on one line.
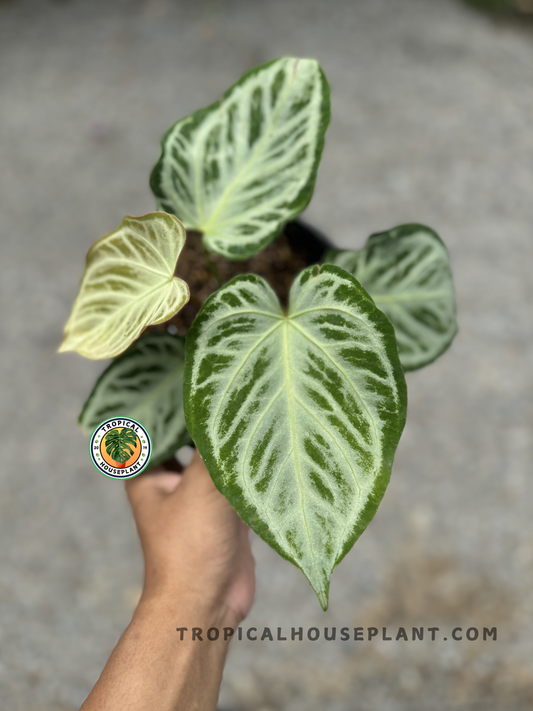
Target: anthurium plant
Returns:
[[296, 406]]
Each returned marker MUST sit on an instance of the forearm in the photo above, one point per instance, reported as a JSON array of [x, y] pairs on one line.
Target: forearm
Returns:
[[151, 667]]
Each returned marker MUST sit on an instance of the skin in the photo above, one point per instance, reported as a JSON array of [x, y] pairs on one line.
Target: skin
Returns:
[[199, 572]]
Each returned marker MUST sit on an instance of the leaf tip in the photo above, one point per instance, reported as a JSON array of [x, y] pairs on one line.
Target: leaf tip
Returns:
[[321, 589], [65, 346], [323, 599]]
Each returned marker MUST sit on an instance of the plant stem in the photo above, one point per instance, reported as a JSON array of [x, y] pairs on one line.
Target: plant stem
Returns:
[[212, 267]]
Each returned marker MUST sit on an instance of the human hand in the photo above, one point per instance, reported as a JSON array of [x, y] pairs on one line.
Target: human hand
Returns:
[[195, 546], [199, 571]]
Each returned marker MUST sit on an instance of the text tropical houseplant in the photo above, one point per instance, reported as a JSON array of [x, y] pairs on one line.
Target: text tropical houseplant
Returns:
[[296, 411]]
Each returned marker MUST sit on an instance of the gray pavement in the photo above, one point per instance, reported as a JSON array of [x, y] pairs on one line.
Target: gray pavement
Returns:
[[432, 122]]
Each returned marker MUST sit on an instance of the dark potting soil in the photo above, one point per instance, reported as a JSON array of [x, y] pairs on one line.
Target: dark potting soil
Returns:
[[278, 264]]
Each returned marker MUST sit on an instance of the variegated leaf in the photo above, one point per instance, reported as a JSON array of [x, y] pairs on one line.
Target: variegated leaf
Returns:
[[239, 169], [128, 284], [146, 383], [408, 274], [297, 416]]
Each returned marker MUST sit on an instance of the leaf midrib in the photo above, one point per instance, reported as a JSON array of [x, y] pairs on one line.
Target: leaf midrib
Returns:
[[126, 307], [254, 157], [290, 395]]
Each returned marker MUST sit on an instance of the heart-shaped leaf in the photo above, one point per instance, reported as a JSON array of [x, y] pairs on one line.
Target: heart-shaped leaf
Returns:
[[408, 274], [297, 416], [239, 169], [146, 383], [128, 284]]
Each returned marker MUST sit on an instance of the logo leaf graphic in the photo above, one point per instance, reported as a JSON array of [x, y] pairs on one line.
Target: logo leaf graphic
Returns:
[[407, 272], [120, 445], [239, 169], [297, 416], [128, 284], [145, 383]]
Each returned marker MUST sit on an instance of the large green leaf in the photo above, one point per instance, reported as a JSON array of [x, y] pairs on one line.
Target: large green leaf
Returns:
[[146, 383], [408, 274], [128, 284], [297, 416], [239, 169]]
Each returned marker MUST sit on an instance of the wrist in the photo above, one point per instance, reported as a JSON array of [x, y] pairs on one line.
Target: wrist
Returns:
[[154, 660], [188, 607]]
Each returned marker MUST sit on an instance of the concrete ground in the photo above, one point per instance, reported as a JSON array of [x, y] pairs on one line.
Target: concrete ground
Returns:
[[432, 122]]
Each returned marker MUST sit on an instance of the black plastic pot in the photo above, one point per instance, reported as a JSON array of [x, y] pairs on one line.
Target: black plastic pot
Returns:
[[307, 240]]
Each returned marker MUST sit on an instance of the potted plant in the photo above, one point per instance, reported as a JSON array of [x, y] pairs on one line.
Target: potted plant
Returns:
[[290, 380]]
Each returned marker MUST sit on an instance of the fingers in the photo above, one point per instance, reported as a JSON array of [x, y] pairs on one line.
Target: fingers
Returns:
[[159, 483], [153, 487], [148, 492]]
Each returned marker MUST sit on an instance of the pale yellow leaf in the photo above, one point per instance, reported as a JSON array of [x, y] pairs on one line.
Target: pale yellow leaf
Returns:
[[128, 284]]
